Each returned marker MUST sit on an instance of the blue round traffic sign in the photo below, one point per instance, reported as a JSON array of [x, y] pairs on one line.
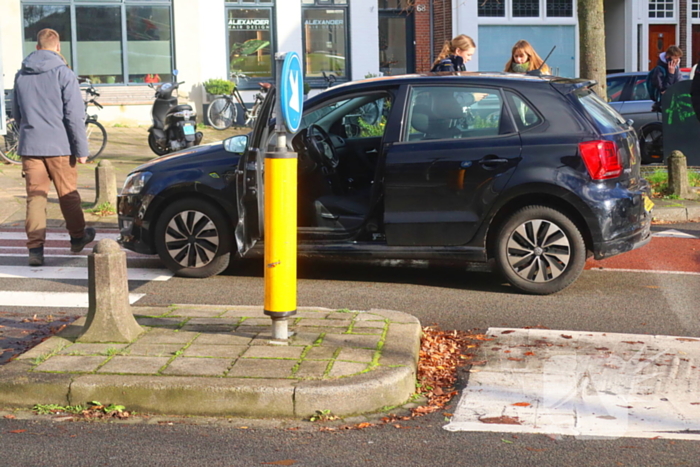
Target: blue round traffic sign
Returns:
[[292, 91]]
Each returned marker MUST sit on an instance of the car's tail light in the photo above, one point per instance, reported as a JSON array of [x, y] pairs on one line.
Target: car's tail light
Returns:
[[601, 158]]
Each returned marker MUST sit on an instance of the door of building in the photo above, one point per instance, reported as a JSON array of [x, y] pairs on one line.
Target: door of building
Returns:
[[696, 44], [661, 37], [396, 42]]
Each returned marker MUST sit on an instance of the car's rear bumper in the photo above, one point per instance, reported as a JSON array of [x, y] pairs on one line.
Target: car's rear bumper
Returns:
[[626, 226]]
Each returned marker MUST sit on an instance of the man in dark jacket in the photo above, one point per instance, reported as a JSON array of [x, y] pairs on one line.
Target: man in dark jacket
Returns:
[[666, 73], [49, 110]]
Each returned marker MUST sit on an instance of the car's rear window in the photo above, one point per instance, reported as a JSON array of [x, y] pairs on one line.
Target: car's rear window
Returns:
[[605, 117]]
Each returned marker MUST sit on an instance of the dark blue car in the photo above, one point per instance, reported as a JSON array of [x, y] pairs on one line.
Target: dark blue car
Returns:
[[529, 174]]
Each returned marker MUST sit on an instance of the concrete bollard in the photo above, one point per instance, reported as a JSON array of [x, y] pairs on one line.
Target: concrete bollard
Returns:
[[678, 176], [109, 317], [105, 184]]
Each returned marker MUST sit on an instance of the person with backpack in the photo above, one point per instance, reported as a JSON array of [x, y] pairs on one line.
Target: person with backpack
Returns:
[[455, 54], [665, 74]]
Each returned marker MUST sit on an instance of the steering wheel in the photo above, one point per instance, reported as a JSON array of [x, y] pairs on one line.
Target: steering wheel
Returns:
[[321, 149]]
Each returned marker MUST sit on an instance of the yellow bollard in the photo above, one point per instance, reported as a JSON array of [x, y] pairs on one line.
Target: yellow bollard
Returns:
[[280, 237]]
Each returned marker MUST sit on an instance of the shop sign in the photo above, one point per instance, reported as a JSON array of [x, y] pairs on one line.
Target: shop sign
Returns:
[[316, 23], [249, 24]]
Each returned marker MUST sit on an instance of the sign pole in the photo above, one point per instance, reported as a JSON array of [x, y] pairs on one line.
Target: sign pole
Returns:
[[281, 200]]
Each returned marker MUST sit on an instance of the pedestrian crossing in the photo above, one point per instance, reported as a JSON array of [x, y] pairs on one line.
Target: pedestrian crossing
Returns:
[[60, 264]]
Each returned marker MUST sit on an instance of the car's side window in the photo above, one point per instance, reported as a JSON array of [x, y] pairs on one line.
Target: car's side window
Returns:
[[453, 112], [525, 115], [615, 86], [639, 89]]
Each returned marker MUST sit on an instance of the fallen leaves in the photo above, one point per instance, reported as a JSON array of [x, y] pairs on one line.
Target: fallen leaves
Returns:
[[282, 462], [502, 420]]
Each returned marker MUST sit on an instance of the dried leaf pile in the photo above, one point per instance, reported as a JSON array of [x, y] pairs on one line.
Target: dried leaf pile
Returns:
[[441, 354]]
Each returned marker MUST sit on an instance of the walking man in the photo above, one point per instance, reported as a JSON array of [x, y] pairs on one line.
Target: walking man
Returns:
[[49, 110]]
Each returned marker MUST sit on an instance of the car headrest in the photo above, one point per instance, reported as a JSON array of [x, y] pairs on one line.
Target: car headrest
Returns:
[[420, 119], [445, 106]]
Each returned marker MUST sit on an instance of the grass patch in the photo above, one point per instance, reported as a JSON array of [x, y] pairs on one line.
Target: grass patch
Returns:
[[104, 209], [658, 180]]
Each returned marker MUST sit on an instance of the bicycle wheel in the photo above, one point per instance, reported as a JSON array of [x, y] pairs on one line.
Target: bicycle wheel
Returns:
[[369, 113], [222, 113], [96, 137], [8, 148], [252, 114]]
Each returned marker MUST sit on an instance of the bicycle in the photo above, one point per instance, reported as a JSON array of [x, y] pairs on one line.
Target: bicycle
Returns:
[[8, 150], [223, 111], [96, 133]]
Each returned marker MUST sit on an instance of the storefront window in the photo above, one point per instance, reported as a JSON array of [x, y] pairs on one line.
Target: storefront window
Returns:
[[101, 51], [99, 45], [249, 41], [325, 41], [38, 17], [148, 43]]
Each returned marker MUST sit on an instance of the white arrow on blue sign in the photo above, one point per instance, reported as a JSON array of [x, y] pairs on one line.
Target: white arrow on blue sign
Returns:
[[292, 91]]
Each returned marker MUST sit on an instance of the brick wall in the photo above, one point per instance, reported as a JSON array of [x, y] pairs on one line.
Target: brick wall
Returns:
[[421, 12], [683, 33], [442, 24]]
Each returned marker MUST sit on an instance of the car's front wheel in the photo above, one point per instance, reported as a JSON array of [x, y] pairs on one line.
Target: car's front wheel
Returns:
[[539, 250], [193, 239]]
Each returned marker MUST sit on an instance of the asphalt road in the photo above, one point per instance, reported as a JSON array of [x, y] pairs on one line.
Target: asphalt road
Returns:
[[605, 301]]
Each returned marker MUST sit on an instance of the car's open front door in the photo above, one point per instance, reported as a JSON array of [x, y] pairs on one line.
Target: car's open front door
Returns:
[[250, 190]]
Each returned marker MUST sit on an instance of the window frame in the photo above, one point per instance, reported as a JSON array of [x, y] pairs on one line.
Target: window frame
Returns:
[[122, 4], [261, 5], [662, 19], [542, 17], [319, 82]]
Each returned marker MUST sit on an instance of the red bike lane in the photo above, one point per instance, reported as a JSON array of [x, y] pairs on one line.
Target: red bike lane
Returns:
[[667, 254]]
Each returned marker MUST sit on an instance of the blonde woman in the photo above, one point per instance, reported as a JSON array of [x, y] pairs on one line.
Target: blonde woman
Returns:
[[523, 58], [455, 54]]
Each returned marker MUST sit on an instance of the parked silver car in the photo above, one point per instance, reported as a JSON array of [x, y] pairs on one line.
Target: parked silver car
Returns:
[[627, 93]]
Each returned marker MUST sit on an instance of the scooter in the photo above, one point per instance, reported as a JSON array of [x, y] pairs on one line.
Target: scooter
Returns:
[[173, 125]]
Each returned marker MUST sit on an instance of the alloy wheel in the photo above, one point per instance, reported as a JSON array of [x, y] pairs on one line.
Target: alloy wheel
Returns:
[[191, 239], [538, 250]]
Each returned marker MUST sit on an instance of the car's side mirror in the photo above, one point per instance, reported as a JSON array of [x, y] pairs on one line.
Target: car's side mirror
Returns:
[[236, 144]]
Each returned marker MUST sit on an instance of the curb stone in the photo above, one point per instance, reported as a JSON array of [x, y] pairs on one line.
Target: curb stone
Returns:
[[74, 375]]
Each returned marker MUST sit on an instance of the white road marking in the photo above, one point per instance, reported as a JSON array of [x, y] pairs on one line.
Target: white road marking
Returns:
[[673, 233], [648, 271], [585, 384], [52, 299], [49, 272], [51, 236]]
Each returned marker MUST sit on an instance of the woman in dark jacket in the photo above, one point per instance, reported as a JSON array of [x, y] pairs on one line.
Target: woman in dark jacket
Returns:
[[455, 54]]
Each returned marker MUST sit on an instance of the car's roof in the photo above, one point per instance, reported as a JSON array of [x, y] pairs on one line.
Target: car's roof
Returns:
[[684, 73], [480, 76]]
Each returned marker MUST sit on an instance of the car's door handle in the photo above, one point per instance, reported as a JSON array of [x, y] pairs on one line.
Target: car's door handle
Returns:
[[371, 151], [488, 161]]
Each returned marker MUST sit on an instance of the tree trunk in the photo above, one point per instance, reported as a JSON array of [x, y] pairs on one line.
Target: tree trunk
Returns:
[[591, 23]]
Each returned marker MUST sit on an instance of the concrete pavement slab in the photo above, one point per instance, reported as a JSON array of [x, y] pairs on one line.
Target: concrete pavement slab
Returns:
[[169, 369], [583, 384]]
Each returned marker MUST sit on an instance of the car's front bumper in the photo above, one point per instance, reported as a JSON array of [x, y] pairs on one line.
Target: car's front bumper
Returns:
[[134, 231]]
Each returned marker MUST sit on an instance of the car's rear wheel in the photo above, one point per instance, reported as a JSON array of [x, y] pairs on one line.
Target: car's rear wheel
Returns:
[[539, 250], [193, 239]]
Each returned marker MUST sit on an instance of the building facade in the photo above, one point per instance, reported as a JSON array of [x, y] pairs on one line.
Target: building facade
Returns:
[[124, 45]]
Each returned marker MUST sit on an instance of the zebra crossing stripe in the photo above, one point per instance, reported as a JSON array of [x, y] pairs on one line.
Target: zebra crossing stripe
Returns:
[[52, 299], [51, 236], [49, 272]]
